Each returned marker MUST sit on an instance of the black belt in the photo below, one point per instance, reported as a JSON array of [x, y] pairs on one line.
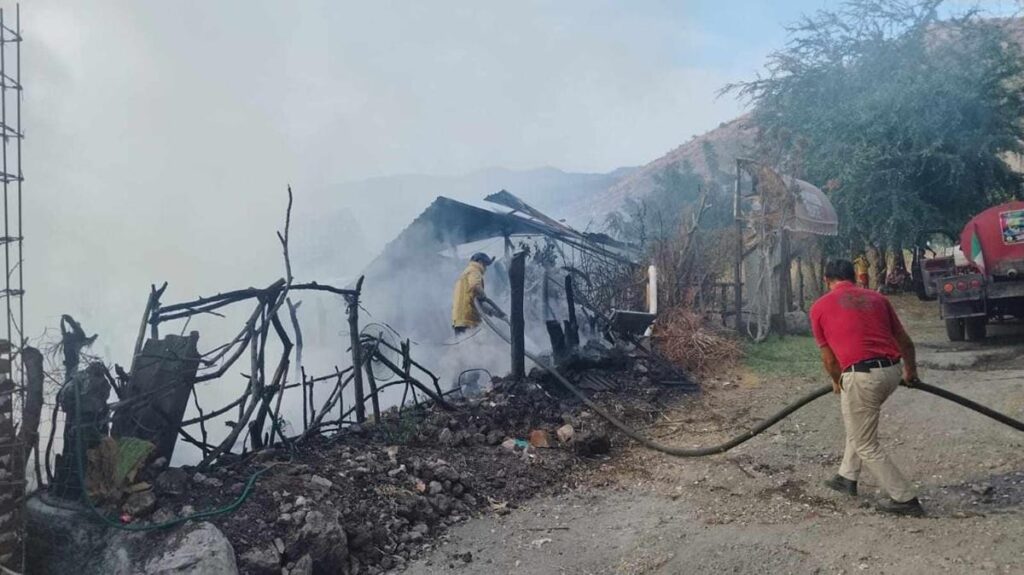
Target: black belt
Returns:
[[868, 364]]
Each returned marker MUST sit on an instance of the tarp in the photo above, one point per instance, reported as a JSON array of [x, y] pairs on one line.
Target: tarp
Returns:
[[798, 205]]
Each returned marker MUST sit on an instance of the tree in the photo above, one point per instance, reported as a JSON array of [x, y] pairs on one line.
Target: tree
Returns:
[[904, 116], [671, 203]]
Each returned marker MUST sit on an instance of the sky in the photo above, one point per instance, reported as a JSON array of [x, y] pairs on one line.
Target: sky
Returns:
[[160, 135]]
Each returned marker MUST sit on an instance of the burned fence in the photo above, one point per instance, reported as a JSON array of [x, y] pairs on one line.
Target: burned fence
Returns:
[[165, 370], [157, 400]]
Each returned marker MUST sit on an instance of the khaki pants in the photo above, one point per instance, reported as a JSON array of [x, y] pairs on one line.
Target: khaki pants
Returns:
[[861, 400]]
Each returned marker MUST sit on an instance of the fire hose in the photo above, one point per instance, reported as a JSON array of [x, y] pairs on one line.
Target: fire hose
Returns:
[[742, 437]]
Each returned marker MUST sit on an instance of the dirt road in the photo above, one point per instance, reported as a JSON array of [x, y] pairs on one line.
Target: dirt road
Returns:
[[761, 507]]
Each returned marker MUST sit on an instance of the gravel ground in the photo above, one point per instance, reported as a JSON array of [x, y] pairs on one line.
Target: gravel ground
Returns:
[[761, 507]]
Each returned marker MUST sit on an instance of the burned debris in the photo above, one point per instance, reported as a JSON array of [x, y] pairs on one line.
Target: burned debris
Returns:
[[387, 450]]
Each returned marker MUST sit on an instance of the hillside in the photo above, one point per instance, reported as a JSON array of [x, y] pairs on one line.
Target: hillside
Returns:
[[710, 155]]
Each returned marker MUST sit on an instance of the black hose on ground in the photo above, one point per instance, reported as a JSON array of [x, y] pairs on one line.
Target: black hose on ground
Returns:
[[746, 435], [961, 400]]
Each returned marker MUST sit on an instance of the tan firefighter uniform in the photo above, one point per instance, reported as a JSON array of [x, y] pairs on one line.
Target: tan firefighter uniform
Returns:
[[469, 286]]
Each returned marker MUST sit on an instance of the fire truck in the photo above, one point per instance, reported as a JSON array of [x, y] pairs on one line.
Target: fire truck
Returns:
[[978, 277]]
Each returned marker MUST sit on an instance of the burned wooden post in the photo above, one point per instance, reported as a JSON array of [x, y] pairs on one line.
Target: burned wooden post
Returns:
[[157, 394], [372, 381], [28, 435], [517, 279], [572, 328], [84, 402], [357, 351], [558, 348]]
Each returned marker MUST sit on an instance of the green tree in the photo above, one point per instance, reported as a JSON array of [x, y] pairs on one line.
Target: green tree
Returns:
[[904, 116]]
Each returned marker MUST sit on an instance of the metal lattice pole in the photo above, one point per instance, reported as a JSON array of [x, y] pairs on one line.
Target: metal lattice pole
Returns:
[[12, 388]]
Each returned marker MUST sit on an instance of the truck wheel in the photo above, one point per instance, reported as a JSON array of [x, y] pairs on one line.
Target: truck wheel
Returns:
[[955, 329], [975, 328]]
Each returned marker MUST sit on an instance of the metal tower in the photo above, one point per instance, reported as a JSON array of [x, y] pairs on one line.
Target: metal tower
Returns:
[[12, 453]]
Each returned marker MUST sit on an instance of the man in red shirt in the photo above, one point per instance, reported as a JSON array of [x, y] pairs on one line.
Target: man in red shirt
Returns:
[[866, 352]]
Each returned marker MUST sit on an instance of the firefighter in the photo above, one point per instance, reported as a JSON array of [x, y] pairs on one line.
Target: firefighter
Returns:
[[866, 352], [468, 288]]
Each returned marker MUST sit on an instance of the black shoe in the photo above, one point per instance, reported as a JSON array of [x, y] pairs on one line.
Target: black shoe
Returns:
[[842, 485], [910, 508]]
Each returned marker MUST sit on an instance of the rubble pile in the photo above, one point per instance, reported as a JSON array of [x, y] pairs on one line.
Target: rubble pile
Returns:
[[371, 498]]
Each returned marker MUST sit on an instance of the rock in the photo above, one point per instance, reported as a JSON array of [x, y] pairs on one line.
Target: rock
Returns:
[[982, 489], [192, 549], [140, 504], [303, 566], [565, 433], [495, 437], [162, 516], [321, 537], [204, 480], [173, 481], [436, 488], [321, 481], [539, 438], [446, 437], [265, 561], [139, 487], [466, 557], [158, 463], [591, 444], [236, 488], [509, 444]]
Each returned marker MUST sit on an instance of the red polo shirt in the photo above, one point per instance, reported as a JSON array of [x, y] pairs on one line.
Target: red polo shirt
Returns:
[[856, 323]]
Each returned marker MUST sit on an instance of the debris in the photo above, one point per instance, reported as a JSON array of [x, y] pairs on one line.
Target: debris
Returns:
[[140, 504], [494, 437], [173, 481], [261, 561], [688, 340], [591, 444], [136, 488], [539, 439], [321, 481], [565, 433], [510, 444], [322, 538], [303, 566], [446, 437], [538, 543]]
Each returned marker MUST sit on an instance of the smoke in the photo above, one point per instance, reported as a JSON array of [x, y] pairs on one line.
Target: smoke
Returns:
[[161, 136]]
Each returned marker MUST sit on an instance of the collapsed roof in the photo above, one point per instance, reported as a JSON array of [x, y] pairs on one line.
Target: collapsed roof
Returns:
[[447, 223]]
